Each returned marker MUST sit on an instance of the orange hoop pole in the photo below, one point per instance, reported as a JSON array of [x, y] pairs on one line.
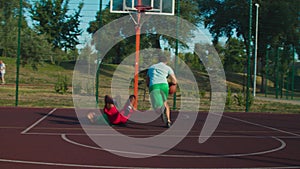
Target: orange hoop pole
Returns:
[[137, 54]]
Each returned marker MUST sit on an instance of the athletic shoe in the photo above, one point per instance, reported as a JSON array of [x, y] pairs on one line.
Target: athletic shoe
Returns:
[[169, 124]]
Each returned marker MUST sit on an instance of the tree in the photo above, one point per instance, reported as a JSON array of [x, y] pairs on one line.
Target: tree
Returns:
[[235, 56], [51, 17], [34, 49], [192, 60], [151, 39], [9, 15], [279, 23]]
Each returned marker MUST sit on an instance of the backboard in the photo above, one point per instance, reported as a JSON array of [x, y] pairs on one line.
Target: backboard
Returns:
[[160, 7]]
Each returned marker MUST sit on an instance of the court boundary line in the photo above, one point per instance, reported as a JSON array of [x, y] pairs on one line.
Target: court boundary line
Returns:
[[282, 146], [293, 135], [58, 164], [261, 125], [191, 136], [38, 121], [99, 166]]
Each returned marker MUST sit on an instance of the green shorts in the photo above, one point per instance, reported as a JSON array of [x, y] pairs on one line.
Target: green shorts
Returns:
[[159, 94]]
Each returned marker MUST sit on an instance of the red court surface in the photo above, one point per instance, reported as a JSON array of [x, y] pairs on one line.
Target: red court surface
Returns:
[[33, 138]]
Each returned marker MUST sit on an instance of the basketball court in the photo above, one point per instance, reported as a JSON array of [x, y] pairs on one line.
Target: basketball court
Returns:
[[53, 138]]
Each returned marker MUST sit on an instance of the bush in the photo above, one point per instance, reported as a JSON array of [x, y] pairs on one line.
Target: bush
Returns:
[[241, 99], [229, 97], [202, 93], [61, 85]]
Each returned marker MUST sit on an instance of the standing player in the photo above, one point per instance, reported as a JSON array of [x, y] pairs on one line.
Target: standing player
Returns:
[[157, 79]]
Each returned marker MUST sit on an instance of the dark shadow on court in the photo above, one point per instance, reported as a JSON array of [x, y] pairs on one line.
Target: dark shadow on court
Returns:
[[59, 119]]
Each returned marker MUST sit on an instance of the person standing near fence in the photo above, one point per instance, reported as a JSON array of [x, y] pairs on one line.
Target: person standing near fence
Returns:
[[2, 71]]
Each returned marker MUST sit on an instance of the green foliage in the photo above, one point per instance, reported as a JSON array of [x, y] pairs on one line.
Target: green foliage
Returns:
[[202, 93], [250, 100], [235, 57], [58, 57], [278, 23], [229, 100], [52, 18], [189, 11], [84, 88], [9, 18], [241, 100], [34, 49], [61, 85], [192, 60]]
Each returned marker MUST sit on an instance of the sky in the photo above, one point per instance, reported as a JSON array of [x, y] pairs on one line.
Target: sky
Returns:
[[89, 11], [88, 14]]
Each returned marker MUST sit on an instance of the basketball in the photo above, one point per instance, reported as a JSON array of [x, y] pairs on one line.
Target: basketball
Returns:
[[172, 88], [91, 116]]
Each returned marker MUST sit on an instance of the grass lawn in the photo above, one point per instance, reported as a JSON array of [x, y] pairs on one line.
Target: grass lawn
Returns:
[[36, 89]]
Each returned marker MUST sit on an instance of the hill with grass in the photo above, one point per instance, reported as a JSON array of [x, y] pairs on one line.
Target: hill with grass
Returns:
[[37, 88]]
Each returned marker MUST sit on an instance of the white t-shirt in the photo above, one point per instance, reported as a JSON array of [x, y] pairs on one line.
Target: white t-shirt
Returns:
[[158, 73], [2, 68]]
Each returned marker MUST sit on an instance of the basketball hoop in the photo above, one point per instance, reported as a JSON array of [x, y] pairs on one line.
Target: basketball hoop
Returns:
[[158, 7], [143, 8], [152, 7]]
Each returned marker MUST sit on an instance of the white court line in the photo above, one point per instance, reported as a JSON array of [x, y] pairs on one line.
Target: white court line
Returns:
[[260, 125], [148, 135], [116, 167], [37, 122], [282, 146], [58, 164], [95, 166]]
